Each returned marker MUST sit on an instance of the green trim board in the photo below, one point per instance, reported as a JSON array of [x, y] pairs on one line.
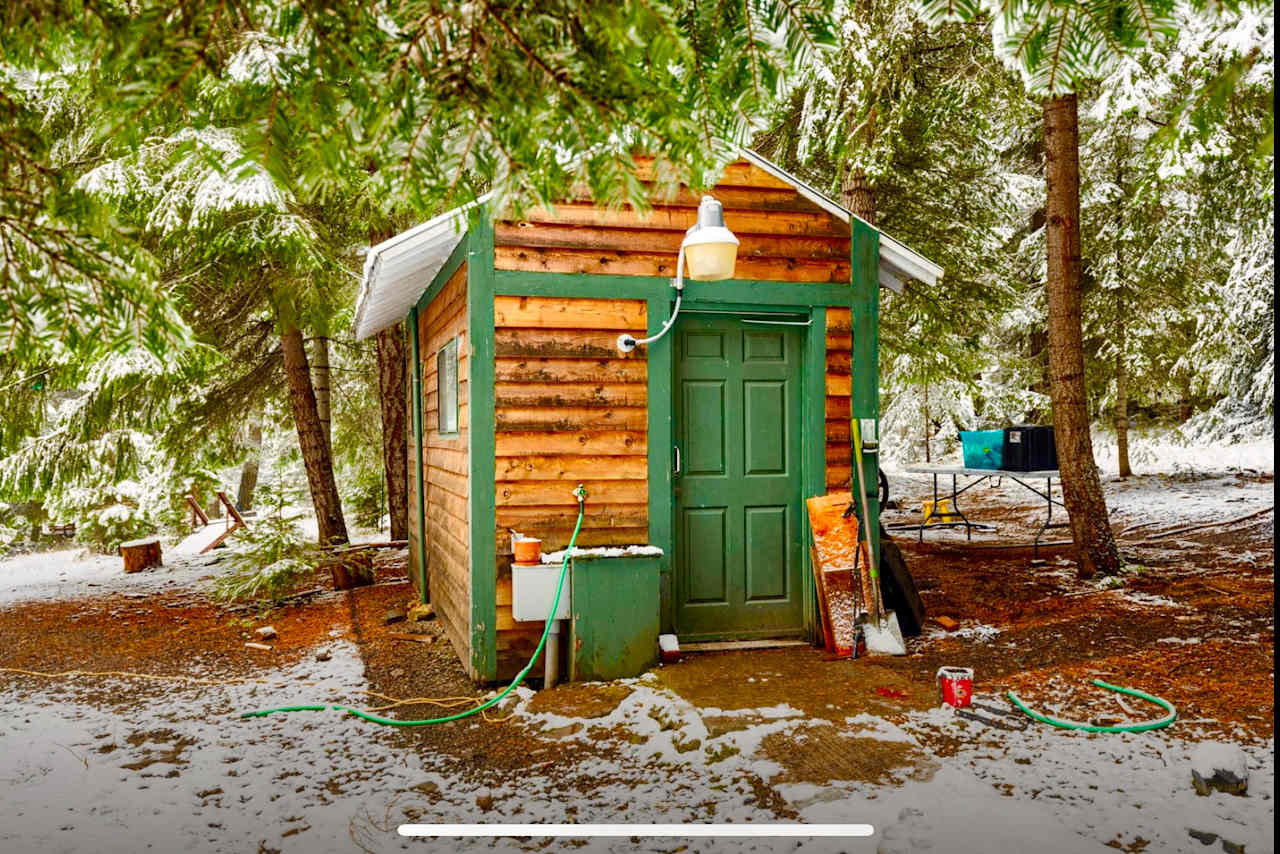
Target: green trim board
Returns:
[[483, 521], [814, 448], [660, 460], [451, 265], [416, 392], [601, 286], [864, 252]]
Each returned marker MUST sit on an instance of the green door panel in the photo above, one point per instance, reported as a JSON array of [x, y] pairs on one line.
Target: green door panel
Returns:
[[704, 452], [738, 493], [706, 526], [766, 551]]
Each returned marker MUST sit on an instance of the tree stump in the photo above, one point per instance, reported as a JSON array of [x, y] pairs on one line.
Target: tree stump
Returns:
[[349, 570], [141, 554]]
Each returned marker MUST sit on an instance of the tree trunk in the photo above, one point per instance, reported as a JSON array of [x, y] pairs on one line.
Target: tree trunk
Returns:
[[316, 457], [858, 195], [320, 376], [141, 554], [927, 456], [1186, 407], [393, 397], [1081, 486], [249, 470], [1122, 404]]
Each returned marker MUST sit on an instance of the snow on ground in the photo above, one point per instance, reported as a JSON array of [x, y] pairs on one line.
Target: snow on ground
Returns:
[[1172, 483], [186, 773], [1121, 786], [76, 572], [1164, 454]]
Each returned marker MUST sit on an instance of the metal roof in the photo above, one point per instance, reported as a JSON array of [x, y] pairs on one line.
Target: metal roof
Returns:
[[398, 271]]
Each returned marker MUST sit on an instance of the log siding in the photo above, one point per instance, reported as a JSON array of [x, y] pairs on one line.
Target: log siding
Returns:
[[445, 466], [569, 409], [783, 236], [839, 380]]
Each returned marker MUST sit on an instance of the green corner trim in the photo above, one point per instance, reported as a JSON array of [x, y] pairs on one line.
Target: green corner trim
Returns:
[[758, 293], [484, 558], [661, 505], [864, 251], [416, 397], [451, 265], [814, 448]]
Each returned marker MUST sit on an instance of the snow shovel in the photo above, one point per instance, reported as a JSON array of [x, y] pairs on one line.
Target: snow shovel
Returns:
[[883, 635]]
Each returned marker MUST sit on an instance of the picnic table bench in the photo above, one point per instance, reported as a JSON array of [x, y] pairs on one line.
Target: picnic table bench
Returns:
[[980, 475]]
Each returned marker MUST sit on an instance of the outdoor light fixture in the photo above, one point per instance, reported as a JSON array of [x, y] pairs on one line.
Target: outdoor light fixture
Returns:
[[711, 250]]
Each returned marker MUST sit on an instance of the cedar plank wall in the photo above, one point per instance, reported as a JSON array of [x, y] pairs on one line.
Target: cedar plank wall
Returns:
[[569, 409], [839, 398], [784, 237], [447, 467]]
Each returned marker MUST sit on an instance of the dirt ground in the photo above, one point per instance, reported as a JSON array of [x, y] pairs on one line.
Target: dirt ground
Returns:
[[1192, 620]]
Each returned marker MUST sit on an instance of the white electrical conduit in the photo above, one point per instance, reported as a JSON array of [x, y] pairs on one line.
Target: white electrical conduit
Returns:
[[627, 343]]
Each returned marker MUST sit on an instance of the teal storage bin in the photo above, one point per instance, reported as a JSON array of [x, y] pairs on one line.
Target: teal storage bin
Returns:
[[982, 449]]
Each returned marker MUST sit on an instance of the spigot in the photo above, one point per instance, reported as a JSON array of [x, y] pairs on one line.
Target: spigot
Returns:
[[580, 493]]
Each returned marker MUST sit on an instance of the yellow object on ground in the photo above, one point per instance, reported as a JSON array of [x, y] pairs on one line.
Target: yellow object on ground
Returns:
[[941, 511]]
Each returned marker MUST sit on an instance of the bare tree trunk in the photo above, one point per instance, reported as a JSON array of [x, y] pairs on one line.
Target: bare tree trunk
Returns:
[[1121, 415], [249, 470], [1186, 407], [858, 195], [927, 457], [320, 378], [1081, 486], [316, 457], [393, 396]]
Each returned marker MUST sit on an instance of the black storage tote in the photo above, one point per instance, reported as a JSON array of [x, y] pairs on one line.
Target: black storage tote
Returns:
[[1028, 447]]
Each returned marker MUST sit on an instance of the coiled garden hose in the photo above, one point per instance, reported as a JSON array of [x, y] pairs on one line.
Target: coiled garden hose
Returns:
[[1083, 727], [581, 494]]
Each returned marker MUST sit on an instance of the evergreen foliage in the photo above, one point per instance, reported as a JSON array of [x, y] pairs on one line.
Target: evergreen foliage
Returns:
[[179, 184]]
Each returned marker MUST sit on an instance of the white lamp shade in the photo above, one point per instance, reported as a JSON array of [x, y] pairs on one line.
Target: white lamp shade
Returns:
[[711, 252]]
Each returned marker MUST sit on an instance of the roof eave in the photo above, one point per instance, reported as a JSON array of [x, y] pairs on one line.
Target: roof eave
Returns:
[[898, 255]]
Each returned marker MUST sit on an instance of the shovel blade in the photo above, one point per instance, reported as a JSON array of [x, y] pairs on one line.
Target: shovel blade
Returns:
[[884, 637]]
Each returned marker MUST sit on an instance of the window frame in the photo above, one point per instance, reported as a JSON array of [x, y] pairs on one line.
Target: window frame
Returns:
[[447, 350]]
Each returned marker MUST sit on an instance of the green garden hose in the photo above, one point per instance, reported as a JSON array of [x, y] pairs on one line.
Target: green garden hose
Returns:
[[581, 494], [1132, 692]]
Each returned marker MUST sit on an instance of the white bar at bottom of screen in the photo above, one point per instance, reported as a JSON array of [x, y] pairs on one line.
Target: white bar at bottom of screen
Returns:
[[582, 831]]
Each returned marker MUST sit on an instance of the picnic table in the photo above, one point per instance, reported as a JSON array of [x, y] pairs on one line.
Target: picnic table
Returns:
[[979, 475]]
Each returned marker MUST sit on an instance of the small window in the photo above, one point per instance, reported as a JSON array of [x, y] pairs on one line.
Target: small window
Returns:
[[447, 386]]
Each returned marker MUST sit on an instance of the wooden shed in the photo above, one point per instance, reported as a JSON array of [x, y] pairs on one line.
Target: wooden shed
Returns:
[[703, 444]]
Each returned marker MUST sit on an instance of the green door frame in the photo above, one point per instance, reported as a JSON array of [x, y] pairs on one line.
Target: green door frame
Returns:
[[662, 424], [813, 434]]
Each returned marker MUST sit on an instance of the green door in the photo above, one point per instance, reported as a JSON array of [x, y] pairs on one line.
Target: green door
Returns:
[[738, 501]]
